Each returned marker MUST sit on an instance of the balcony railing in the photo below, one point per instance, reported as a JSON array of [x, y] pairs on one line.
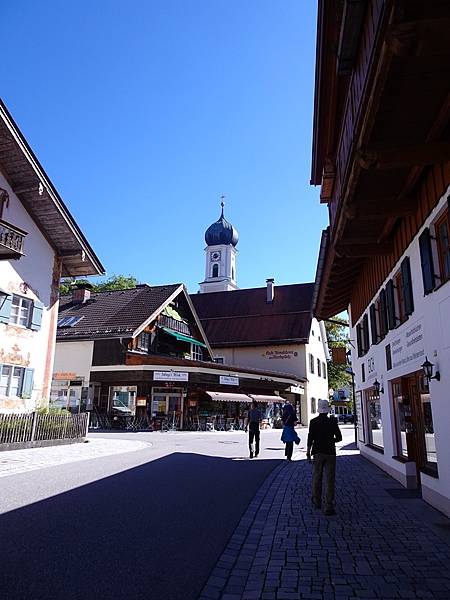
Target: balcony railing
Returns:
[[353, 106], [11, 241], [171, 323]]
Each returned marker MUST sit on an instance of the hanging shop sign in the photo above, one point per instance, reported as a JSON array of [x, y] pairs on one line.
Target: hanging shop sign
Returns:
[[141, 401], [64, 376], [170, 376], [296, 389], [228, 380]]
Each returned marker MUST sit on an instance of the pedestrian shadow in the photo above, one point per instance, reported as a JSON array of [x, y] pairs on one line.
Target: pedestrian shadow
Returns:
[[153, 531]]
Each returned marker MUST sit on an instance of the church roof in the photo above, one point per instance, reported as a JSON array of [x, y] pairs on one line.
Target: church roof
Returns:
[[221, 232], [244, 318]]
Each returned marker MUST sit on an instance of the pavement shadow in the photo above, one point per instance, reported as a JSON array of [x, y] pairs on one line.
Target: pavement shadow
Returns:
[[154, 531]]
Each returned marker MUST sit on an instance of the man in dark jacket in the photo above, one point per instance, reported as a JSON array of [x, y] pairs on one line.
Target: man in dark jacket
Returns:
[[323, 434], [253, 420]]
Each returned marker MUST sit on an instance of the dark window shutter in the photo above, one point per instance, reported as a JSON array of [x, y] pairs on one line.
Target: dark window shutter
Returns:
[[426, 259], [366, 342], [383, 314], [407, 286], [358, 340], [373, 324], [27, 383], [5, 307], [36, 317], [390, 302]]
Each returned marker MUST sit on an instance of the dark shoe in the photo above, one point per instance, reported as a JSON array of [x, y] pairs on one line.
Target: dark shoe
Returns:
[[256, 455], [251, 454], [330, 512]]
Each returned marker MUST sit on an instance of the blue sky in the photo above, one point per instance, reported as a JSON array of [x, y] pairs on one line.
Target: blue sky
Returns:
[[143, 113]]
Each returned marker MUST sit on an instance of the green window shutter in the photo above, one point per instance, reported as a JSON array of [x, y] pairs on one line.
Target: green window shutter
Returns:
[[426, 259], [27, 383], [358, 340], [365, 329], [390, 301], [36, 317], [383, 315], [407, 286], [5, 307], [373, 324]]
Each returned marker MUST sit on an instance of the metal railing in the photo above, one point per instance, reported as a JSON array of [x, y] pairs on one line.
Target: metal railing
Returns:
[[11, 238], [35, 429]]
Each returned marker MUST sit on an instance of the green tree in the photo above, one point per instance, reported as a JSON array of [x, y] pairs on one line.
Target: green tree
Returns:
[[114, 282], [338, 337]]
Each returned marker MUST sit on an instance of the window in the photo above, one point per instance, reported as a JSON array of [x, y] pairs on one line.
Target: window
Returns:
[[374, 324], [232, 273], [123, 398], [196, 352], [406, 283], [143, 341], [21, 309], [359, 339], [313, 405], [375, 422], [382, 314], [363, 373], [400, 301], [218, 360], [11, 380], [311, 363], [391, 306], [388, 357], [442, 229], [324, 370], [319, 368], [215, 270]]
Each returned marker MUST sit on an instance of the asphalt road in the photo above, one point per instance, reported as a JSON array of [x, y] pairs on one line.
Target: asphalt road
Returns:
[[149, 524]]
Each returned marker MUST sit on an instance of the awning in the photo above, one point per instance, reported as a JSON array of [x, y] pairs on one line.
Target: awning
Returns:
[[225, 397], [260, 398], [182, 337]]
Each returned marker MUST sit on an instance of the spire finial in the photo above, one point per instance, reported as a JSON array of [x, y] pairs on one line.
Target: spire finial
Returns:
[[222, 203]]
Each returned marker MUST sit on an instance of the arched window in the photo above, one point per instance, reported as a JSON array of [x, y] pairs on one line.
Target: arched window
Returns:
[[215, 271], [313, 405], [232, 273]]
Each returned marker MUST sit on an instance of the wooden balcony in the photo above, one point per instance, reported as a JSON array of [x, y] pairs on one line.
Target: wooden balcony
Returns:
[[11, 241], [171, 323]]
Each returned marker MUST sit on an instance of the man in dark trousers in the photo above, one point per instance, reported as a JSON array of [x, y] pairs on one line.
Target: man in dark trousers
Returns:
[[323, 434], [253, 420]]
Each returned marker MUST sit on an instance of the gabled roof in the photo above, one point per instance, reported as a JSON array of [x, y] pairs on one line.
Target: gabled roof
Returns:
[[244, 318], [116, 313], [34, 189]]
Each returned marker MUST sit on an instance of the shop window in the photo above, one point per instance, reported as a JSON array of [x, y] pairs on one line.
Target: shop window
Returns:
[[442, 229], [428, 425], [123, 399], [426, 261], [375, 423], [402, 411], [319, 368], [313, 405], [215, 270], [311, 363]]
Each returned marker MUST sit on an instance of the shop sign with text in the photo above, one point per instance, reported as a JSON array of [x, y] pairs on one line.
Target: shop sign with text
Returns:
[[170, 376], [228, 380]]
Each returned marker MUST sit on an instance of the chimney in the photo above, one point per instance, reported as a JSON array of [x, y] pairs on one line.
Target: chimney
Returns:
[[81, 292], [270, 291]]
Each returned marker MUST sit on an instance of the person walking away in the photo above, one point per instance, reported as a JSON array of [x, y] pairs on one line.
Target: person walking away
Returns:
[[254, 419], [289, 435], [323, 434]]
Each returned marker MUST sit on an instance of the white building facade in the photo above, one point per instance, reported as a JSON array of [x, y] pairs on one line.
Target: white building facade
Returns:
[[403, 416], [39, 242]]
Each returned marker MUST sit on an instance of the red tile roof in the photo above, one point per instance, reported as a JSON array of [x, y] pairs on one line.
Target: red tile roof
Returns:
[[244, 318]]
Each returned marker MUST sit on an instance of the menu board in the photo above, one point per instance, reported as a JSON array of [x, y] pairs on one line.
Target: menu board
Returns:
[[359, 416]]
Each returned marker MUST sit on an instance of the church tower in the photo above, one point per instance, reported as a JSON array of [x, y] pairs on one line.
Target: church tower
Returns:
[[220, 268]]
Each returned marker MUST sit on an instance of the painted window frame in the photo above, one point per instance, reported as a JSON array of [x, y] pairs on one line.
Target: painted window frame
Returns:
[[9, 384], [23, 302]]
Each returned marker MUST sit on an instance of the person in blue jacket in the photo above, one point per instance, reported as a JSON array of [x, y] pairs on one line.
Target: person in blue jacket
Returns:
[[289, 435]]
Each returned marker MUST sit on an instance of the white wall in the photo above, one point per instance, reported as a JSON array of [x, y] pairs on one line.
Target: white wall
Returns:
[[425, 333], [317, 387], [20, 346], [74, 357]]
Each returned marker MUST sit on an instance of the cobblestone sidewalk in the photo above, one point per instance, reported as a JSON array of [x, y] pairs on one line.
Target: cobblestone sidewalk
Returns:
[[377, 546], [22, 461]]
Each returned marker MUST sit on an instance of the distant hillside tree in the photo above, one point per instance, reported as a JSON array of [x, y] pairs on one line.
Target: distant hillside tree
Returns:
[[338, 337], [114, 282]]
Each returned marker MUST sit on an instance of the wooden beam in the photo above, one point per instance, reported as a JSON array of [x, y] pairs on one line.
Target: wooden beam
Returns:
[[383, 207], [428, 37], [372, 157]]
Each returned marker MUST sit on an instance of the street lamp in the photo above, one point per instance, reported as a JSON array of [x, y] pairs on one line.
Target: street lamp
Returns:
[[378, 387], [427, 368]]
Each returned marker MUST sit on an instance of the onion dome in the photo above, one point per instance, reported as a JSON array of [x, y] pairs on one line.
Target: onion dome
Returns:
[[221, 232]]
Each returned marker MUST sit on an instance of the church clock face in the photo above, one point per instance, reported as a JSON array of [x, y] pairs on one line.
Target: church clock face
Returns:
[[215, 255]]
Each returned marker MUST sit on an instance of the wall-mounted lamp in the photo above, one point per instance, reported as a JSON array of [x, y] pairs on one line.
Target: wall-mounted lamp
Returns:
[[378, 387], [427, 368]]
